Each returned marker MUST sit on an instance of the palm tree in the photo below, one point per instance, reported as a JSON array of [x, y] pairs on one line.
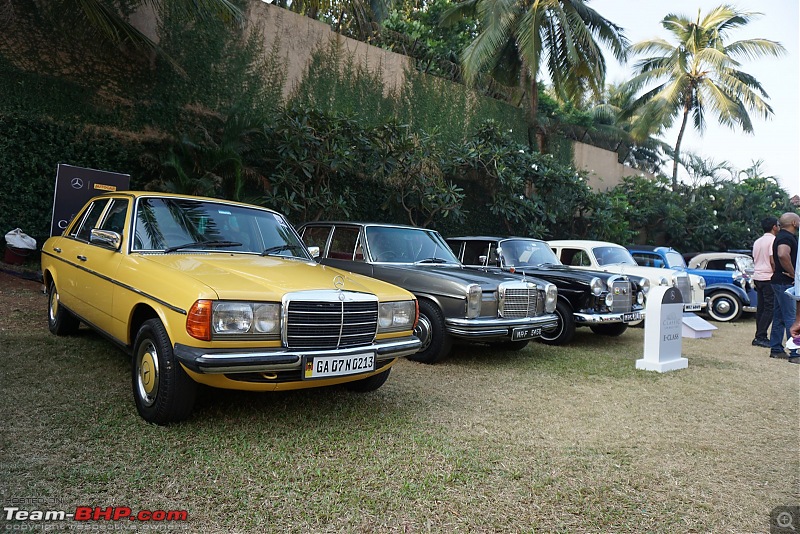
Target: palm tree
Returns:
[[700, 74], [519, 38]]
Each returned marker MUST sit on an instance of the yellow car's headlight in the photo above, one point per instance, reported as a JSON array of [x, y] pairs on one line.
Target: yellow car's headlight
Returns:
[[393, 316], [238, 318]]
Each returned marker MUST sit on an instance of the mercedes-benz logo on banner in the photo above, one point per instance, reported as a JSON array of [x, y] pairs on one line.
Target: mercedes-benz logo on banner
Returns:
[[77, 183]]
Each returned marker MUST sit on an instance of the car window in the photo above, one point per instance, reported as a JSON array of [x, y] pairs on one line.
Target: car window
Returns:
[[407, 245], [526, 253], [575, 257], [316, 236], [675, 260], [608, 255], [115, 218], [345, 244], [474, 250], [721, 265], [83, 231], [645, 259], [190, 224]]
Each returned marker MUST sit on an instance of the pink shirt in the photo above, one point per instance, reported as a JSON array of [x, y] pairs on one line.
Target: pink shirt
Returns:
[[762, 251]]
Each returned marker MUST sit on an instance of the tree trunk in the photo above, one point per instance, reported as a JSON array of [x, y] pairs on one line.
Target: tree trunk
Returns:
[[677, 155], [532, 88]]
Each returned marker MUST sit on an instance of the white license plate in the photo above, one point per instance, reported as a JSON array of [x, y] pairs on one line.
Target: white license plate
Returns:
[[519, 334], [332, 366], [633, 316]]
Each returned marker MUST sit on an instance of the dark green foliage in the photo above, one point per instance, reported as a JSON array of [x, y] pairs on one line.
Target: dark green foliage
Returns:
[[31, 150]]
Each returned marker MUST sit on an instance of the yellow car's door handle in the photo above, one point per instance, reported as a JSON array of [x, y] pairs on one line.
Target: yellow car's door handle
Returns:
[[82, 258]]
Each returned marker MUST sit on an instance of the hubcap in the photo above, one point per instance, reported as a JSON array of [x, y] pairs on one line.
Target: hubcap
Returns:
[[147, 373], [423, 332], [53, 304], [723, 307], [553, 334]]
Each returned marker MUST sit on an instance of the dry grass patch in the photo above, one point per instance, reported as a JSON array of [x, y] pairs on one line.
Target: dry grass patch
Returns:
[[548, 439]]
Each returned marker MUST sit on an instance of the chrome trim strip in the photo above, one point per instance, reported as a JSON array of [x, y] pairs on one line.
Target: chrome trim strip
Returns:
[[120, 284], [281, 359]]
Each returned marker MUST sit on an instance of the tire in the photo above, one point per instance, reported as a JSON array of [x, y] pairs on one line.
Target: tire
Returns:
[[163, 391], [610, 330], [371, 383], [60, 320], [436, 342], [724, 307], [565, 330]]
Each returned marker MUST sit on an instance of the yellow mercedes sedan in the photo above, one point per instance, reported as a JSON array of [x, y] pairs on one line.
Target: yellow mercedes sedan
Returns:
[[206, 291]]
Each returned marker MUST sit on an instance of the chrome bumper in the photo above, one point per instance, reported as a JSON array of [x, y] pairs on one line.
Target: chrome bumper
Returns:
[[749, 309], [217, 361], [605, 318], [497, 328]]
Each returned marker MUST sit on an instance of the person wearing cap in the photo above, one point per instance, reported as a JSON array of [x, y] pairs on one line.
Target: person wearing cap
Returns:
[[784, 252], [765, 266]]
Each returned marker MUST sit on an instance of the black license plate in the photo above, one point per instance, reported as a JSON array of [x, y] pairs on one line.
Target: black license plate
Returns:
[[519, 334], [628, 317]]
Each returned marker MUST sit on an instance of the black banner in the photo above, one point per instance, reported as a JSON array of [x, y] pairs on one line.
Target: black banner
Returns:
[[75, 186]]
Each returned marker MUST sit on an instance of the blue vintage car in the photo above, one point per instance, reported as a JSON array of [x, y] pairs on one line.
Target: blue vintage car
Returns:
[[729, 287]]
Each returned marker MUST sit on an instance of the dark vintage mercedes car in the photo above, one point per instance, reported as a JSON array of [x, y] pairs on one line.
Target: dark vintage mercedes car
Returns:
[[455, 302], [604, 302]]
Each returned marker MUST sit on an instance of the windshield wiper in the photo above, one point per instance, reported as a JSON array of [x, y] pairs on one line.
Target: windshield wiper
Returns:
[[431, 260], [279, 248], [211, 244]]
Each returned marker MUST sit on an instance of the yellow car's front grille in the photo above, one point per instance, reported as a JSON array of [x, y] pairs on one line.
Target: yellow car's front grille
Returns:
[[330, 325]]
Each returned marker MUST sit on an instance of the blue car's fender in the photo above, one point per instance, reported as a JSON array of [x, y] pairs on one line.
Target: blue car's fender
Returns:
[[730, 288]]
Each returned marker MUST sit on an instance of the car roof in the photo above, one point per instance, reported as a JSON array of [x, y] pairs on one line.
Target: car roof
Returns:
[[491, 238], [366, 224], [582, 242], [718, 255], [158, 194]]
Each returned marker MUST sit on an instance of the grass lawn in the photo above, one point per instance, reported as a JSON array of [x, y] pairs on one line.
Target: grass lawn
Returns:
[[548, 439]]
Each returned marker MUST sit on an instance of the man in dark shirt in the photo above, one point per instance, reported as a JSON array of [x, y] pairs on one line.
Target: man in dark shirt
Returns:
[[784, 252]]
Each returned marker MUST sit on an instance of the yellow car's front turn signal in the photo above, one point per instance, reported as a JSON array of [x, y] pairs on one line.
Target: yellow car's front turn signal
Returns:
[[198, 321]]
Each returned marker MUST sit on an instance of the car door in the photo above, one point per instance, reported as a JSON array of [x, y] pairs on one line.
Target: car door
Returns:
[[98, 264]]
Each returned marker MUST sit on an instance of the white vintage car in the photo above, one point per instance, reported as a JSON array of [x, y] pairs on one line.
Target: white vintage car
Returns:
[[613, 258]]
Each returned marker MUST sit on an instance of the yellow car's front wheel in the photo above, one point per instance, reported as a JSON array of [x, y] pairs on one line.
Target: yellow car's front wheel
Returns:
[[163, 391]]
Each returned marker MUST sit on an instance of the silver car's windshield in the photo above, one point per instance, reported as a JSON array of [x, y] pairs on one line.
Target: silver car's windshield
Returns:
[[610, 255], [407, 245], [746, 264], [169, 224], [526, 253]]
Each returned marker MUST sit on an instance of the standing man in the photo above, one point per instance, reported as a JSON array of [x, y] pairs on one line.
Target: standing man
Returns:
[[784, 252], [762, 278]]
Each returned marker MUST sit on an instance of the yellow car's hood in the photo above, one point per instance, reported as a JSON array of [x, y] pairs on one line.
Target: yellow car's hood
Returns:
[[249, 277]]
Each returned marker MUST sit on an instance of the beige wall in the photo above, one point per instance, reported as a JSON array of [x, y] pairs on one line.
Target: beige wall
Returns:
[[298, 37], [604, 170]]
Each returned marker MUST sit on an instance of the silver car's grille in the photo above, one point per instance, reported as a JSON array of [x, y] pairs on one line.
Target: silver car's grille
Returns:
[[518, 300], [622, 298], [329, 324], [685, 288]]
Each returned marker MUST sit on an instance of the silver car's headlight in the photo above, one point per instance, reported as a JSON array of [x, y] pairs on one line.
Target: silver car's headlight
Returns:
[[596, 285], [474, 298], [644, 283], [551, 298], [396, 315], [236, 318], [609, 300], [663, 281], [640, 297]]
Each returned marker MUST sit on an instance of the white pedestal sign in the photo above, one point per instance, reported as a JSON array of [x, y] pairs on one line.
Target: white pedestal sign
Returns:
[[662, 331]]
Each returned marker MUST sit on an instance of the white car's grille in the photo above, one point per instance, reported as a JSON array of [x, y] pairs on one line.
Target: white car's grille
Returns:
[[684, 286]]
